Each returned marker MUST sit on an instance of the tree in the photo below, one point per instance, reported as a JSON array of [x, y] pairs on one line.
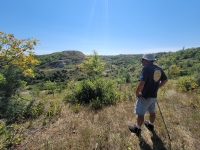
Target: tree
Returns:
[[51, 87], [92, 65], [95, 91], [16, 61], [17, 53], [128, 77]]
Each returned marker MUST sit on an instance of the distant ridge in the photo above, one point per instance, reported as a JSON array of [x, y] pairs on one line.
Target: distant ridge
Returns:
[[59, 59]]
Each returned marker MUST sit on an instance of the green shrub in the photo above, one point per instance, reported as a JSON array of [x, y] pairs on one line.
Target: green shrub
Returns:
[[10, 82], [96, 103], [96, 92], [51, 87], [11, 135], [14, 109], [35, 91], [186, 83], [54, 109], [34, 110], [17, 109]]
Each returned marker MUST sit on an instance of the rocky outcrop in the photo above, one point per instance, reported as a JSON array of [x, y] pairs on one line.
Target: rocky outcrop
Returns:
[[60, 59], [57, 64]]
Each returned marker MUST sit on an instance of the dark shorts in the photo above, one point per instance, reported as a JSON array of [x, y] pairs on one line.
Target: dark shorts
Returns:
[[143, 105]]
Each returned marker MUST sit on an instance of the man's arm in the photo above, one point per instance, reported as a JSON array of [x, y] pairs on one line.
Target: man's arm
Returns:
[[162, 83], [139, 88]]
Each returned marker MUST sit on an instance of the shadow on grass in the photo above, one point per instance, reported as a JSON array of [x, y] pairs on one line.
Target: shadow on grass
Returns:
[[143, 144], [157, 143]]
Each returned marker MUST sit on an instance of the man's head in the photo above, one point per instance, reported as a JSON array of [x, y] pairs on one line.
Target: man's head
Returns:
[[147, 59]]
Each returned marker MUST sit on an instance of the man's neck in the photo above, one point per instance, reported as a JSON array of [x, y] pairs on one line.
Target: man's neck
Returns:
[[149, 63]]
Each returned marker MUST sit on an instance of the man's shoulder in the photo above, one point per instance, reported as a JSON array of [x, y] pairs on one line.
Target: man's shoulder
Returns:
[[157, 67], [151, 67]]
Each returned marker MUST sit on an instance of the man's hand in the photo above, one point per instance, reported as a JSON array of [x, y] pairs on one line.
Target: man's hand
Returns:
[[139, 88]]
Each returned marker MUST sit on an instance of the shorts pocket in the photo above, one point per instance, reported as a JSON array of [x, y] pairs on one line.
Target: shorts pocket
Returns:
[[144, 100]]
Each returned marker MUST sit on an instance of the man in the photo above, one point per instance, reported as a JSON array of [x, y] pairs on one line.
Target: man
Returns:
[[151, 79]]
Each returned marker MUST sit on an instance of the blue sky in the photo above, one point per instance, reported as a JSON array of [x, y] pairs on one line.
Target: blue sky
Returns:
[[110, 27]]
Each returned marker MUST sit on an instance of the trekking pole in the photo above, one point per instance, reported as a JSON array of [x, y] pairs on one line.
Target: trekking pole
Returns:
[[164, 122]]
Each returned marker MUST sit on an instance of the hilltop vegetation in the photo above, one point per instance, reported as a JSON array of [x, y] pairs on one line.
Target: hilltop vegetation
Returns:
[[67, 57], [182, 65]]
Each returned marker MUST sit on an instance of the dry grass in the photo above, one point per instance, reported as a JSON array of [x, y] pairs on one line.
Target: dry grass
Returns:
[[107, 129]]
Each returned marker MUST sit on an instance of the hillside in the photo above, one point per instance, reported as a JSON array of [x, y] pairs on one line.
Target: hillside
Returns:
[[83, 128], [60, 59], [61, 66]]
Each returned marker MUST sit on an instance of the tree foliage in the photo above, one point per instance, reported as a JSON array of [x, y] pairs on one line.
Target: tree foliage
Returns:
[[174, 70], [51, 86], [186, 83], [17, 53], [92, 65], [16, 61]]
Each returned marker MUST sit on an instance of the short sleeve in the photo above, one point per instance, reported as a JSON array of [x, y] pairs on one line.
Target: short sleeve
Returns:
[[144, 74], [163, 76]]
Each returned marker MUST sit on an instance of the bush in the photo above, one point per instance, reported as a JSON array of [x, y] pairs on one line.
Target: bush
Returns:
[[11, 135], [10, 82], [17, 109], [96, 92], [34, 110], [54, 109], [13, 110], [186, 83]]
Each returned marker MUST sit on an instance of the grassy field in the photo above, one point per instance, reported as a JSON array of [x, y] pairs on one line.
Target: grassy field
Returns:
[[80, 128]]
